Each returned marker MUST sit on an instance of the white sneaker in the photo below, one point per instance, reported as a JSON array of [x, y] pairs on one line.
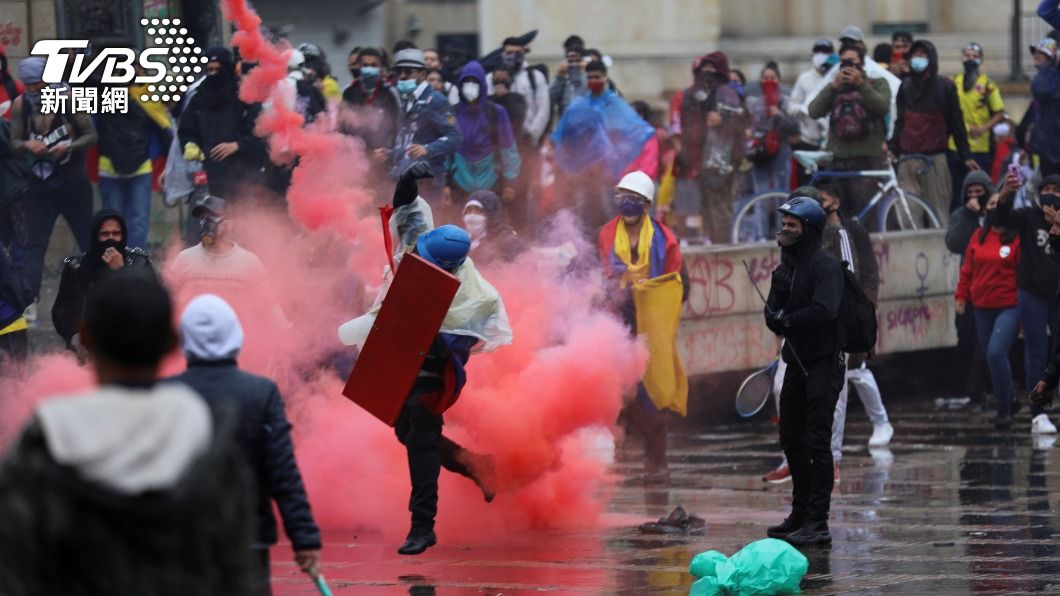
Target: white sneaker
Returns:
[[1042, 426], [881, 435]]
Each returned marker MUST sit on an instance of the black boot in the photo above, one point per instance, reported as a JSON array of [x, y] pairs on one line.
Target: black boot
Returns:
[[418, 541], [810, 534], [786, 527]]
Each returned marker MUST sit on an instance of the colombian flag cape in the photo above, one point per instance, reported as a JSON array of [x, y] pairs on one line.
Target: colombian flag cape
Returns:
[[657, 289]]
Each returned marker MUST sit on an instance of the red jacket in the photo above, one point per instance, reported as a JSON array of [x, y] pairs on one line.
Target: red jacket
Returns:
[[988, 275]]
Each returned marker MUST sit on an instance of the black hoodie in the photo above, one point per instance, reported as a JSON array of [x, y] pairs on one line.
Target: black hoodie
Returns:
[[808, 286], [81, 273], [928, 111], [1039, 267]]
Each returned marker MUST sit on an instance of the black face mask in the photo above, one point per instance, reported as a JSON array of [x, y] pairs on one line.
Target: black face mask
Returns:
[[788, 238], [356, 72], [1050, 200], [971, 65], [990, 217]]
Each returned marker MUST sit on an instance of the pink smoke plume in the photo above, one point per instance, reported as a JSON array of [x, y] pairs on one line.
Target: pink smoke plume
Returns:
[[536, 405]]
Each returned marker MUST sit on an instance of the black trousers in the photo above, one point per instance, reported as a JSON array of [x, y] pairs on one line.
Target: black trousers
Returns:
[[265, 579], [420, 431], [807, 409]]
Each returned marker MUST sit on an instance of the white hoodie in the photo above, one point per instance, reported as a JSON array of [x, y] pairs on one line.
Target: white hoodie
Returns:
[[129, 440]]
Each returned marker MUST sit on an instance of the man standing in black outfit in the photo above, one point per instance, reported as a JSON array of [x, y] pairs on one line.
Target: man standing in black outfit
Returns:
[[803, 307]]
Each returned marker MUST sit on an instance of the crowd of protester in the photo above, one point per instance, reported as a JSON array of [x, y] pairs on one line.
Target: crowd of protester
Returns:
[[509, 143]]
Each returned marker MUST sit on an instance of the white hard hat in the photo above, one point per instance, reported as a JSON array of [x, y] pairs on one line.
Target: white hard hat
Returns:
[[638, 182]]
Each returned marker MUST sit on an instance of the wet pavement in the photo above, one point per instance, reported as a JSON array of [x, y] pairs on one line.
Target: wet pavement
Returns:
[[952, 507]]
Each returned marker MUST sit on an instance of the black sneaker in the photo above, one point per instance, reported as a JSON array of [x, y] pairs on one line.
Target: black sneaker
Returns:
[[417, 542], [785, 528], [810, 534]]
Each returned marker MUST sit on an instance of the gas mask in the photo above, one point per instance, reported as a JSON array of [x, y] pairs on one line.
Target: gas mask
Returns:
[[210, 229]]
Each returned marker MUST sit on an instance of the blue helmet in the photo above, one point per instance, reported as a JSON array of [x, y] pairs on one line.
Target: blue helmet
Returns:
[[804, 204], [445, 246]]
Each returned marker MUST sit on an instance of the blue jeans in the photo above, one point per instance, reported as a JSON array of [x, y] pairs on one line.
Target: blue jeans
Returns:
[[131, 197], [997, 329], [1038, 318]]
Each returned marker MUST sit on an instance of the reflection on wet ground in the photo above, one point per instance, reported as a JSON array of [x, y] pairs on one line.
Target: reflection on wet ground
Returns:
[[952, 507]]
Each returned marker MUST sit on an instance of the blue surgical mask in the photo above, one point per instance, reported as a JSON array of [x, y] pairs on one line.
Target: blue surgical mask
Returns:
[[369, 71], [407, 86], [918, 64]]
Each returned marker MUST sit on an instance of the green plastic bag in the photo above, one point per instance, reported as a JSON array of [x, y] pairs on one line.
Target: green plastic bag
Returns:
[[763, 567]]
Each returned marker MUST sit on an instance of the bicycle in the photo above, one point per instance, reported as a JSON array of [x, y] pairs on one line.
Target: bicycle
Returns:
[[894, 208]]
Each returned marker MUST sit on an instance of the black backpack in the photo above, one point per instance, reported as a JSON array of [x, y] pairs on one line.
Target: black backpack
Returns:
[[857, 316]]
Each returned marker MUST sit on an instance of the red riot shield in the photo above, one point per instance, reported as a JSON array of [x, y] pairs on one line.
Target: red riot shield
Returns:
[[397, 345]]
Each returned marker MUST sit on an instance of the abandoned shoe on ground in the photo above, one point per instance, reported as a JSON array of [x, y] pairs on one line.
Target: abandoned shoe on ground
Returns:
[[678, 522]]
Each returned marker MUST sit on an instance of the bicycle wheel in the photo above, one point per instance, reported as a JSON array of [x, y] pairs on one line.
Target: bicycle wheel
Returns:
[[757, 219], [916, 214]]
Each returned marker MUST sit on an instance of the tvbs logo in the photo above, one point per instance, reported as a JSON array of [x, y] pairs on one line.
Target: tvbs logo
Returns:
[[174, 59]]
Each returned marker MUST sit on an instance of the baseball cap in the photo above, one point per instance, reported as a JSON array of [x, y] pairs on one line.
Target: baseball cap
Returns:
[[851, 32], [1046, 45], [822, 46]]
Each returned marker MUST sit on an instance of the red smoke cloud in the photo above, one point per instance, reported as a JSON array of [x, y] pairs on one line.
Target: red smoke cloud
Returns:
[[529, 404]]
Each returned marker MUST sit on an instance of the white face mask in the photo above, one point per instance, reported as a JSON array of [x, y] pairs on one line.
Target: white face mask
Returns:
[[469, 90], [475, 224], [1002, 129], [819, 60]]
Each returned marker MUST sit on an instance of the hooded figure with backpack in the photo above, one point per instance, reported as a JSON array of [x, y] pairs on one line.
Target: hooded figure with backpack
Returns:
[[487, 158], [929, 112], [804, 302]]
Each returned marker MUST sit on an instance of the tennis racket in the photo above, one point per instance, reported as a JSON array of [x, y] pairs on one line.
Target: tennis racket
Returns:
[[754, 391]]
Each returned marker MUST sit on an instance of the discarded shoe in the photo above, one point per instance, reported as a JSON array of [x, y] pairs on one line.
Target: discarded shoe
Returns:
[[678, 522], [782, 530], [781, 474], [417, 542], [810, 534]]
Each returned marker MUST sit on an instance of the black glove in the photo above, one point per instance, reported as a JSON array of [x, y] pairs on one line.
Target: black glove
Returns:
[[781, 279], [406, 190], [776, 321]]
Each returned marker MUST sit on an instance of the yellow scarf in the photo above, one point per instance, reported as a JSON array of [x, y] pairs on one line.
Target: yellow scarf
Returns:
[[640, 270], [156, 110]]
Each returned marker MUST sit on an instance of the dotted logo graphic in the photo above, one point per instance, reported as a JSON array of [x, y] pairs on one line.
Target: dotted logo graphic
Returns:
[[185, 59]]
